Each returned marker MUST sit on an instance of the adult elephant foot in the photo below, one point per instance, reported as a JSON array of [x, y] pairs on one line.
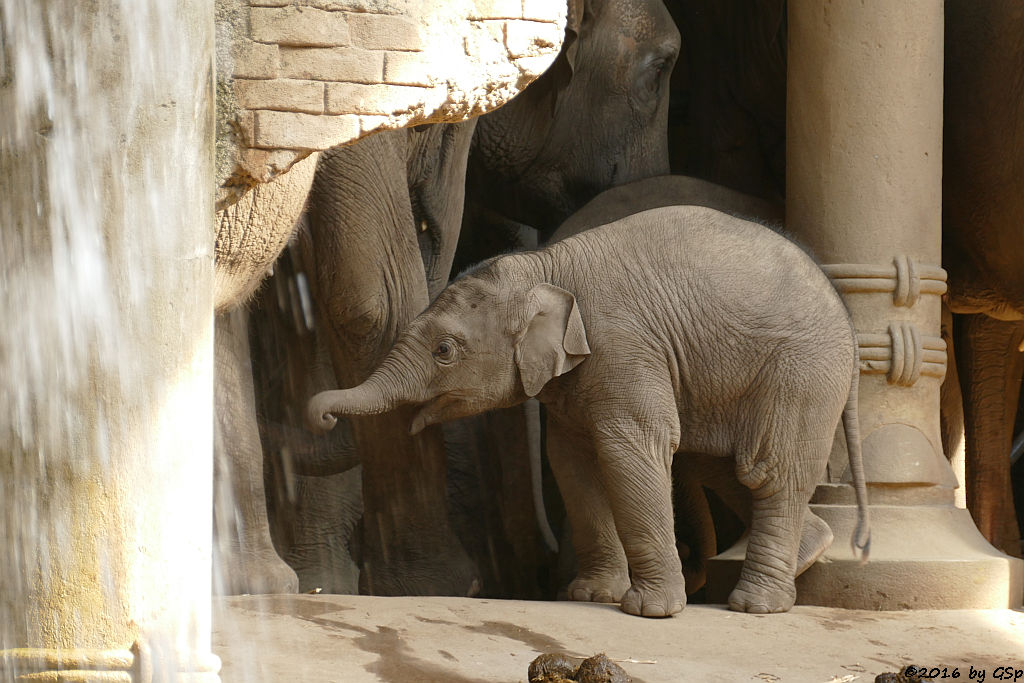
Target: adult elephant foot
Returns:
[[429, 571], [768, 596], [254, 573], [608, 588], [815, 539], [659, 599]]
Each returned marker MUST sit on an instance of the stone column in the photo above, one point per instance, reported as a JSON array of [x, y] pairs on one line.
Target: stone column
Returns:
[[864, 167], [106, 265]]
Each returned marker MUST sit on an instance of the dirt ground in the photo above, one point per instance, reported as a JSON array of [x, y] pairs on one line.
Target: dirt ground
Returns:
[[349, 639]]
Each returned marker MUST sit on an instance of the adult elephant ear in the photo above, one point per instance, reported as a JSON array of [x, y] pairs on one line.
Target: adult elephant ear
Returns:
[[574, 20], [558, 75], [552, 340]]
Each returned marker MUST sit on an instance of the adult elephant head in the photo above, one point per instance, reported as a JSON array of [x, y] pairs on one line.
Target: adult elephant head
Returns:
[[597, 118]]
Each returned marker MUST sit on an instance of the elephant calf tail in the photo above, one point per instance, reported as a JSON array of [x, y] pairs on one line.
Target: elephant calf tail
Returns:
[[851, 426]]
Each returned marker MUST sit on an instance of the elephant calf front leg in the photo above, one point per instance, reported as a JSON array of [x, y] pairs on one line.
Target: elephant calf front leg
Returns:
[[603, 575], [635, 465]]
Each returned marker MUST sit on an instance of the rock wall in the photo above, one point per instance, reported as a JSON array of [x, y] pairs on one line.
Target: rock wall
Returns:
[[297, 76]]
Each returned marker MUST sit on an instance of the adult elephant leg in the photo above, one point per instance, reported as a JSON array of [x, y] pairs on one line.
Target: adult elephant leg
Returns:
[[991, 366], [371, 283], [696, 540], [250, 236], [314, 484], [328, 509], [246, 559]]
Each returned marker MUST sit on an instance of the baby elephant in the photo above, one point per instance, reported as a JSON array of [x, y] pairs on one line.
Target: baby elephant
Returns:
[[679, 329]]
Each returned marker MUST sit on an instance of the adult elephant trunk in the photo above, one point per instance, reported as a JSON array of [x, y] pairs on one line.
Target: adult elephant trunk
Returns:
[[388, 387]]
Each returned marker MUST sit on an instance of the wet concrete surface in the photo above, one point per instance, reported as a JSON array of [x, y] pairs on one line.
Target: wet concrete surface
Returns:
[[346, 638]]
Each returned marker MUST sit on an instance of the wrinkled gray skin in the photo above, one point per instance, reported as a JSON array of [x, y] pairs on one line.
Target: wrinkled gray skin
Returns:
[[316, 506], [314, 490], [731, 343], [597, 118], [384, 216], [250, 236], [696, 534], [659, 191], [245, 560], [983, 244]]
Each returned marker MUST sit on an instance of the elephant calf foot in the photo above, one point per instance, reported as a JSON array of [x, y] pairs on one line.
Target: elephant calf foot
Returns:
[[815, 539], [661, 599], [598, 589], [765, 597]]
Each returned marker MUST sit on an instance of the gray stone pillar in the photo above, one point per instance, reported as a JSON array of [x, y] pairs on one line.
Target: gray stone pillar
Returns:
[[106, 265], [864, 166]]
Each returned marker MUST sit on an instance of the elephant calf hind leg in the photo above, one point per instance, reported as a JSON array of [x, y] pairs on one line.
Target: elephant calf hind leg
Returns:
[[815, 539], [780, 523], [767, 581]]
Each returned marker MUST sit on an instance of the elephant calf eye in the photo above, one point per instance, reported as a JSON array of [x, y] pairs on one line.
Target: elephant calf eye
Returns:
[[445, 351]]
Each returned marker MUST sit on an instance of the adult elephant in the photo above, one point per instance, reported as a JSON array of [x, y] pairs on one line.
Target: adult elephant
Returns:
[[384, 218], [983, 244], [597, 118], [250, 236], [668, 190]]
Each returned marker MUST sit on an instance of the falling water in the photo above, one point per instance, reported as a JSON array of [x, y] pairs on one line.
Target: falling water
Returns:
[[105, 325]]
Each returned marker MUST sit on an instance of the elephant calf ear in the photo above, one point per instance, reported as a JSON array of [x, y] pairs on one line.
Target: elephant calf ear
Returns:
[[553, 341]]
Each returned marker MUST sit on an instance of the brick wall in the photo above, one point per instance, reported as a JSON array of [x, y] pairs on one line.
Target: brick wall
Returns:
[[297, 76]]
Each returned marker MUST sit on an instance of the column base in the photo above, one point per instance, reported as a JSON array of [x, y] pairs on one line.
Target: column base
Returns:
[[922, 557], [103, 666]]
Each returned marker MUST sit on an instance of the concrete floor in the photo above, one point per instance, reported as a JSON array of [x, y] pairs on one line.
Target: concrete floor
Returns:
[[348, 639]]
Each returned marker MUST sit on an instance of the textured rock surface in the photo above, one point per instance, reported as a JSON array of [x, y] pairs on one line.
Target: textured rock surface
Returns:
[[298, 76]]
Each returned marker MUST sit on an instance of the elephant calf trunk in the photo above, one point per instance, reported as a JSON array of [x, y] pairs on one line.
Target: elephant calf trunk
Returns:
[[366, 399]]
